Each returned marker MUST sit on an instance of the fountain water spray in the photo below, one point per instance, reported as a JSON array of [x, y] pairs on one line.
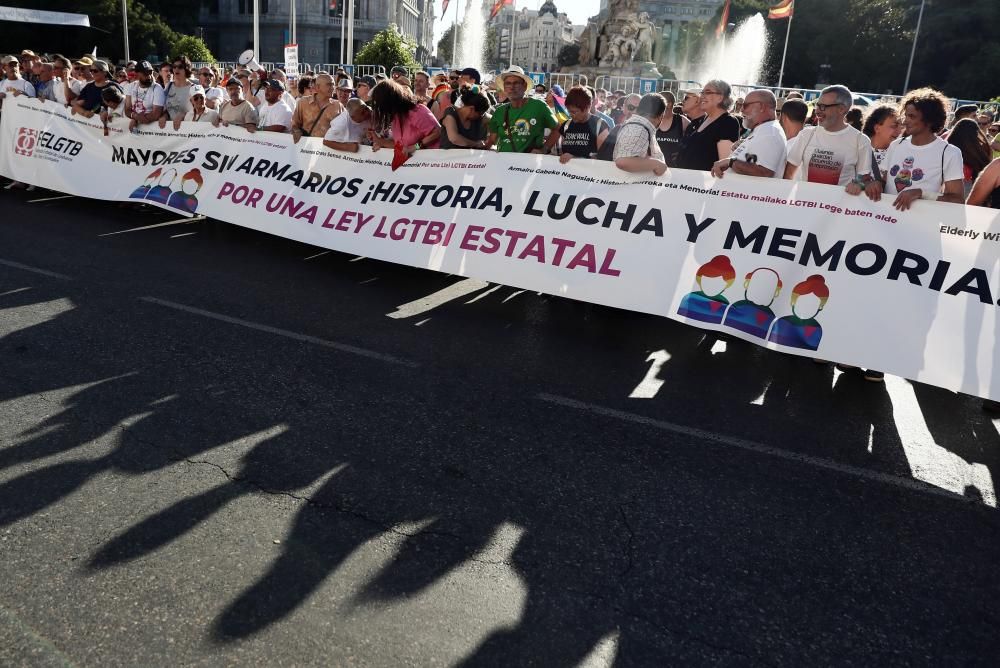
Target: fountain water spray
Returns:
[[738, 58], [472, 38]]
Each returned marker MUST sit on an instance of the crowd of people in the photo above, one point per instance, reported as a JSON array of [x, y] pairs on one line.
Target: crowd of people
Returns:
[[916, 150]]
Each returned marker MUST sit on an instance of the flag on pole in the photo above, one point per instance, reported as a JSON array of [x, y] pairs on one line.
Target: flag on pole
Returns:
[[444, 7], [723, 20], [497, 6], [782, 10], [333, 5]]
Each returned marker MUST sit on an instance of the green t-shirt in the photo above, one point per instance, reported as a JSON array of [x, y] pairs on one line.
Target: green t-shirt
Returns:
[[527, 126]]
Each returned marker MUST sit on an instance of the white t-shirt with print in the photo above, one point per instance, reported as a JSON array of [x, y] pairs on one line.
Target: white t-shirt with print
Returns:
[[144, 99], [767, 142], [18, 84], [274, 114], [343, 129], [926, 167], [207, 116], [834, 158], [216, 93]]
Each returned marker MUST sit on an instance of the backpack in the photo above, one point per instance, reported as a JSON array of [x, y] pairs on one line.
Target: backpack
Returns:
[[607, 150]]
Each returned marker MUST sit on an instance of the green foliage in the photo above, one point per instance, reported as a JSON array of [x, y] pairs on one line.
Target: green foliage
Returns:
[[569, 55], [444, 51], [387, 48], [192, 47]]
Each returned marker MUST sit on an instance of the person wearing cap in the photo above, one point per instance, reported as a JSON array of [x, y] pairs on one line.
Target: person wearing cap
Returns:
[[345, 91], [144, 98], [364, 87], [398, 72], [519, 125], [66, 87], [274, 115], [13, 84], [279, 76], [199, 112], [237, 110], [313, 113], [89, 102], [469, 77], [349, 129]]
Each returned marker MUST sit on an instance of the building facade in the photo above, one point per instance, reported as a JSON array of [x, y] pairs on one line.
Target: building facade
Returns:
[[227, 26], [537, 38]]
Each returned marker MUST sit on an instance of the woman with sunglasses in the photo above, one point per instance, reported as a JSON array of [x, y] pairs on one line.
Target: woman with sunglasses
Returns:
[[178, 91], [712, 139]]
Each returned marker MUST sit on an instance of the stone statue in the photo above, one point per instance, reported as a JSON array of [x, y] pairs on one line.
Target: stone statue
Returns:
[[622, 49], [644, 37], [588, 45]]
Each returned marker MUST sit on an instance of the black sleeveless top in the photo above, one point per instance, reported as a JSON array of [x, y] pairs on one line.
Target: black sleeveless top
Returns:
[[670, 140], [475, 132]]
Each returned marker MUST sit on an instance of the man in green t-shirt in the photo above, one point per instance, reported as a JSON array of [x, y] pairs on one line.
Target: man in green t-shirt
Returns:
[[518, 126]]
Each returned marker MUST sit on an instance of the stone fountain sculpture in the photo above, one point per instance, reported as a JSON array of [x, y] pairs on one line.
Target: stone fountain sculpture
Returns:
[[623, 44]]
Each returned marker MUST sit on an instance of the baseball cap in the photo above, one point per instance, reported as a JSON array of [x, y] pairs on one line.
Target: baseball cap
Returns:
[[234, 82], [10, 59], [143, 66], [196, 89], [275, 84], [368, 81], [101, 65]]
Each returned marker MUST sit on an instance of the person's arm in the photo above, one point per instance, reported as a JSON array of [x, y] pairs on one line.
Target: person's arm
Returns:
[[149, 117], [954, 192], [637, 164], [740, 167], [988, 181], [451, 127], [724, 147], [790, 170], [428, 138], [349, 146], [602, 136], [297, 123], [491, 140], [995, 145]]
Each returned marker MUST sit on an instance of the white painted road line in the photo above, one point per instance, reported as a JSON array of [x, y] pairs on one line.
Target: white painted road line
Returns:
[[49, 199], [316, 255], [305, 338], [753, 446], [179, 221], [13, 292], [34, 270], [186, 234]]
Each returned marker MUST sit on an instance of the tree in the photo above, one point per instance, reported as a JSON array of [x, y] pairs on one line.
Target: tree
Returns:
[[444, 44], [192, 47], [569, 55], [387, 48]]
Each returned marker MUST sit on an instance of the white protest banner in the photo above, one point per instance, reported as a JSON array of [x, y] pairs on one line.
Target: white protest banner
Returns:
[[801, 268], [292, 61]]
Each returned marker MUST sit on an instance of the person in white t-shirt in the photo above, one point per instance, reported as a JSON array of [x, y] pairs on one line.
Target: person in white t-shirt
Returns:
[[214, 95], [13, 84], [199, 113], [274, 115], [922, 165], [144, 98], [347, 131], [763, 152], [832, 152]]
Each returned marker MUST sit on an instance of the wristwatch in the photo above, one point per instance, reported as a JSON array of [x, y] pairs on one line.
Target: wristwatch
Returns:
[[731, 161]]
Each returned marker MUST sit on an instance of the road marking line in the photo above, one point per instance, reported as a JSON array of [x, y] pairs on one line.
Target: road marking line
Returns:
[[484, 294], [186, 234], [316, 255], [179, 221], [36, 270], [454, 291], [651, 382], [370, 280], [305, 338], [753, 446], [49, 199], [13, 292]]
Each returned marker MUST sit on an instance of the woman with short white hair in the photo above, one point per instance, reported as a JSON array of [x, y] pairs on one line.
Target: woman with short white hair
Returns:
[[711, 137]]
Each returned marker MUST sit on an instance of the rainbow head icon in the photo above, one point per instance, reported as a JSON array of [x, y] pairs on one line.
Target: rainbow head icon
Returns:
[[707, 303], [753, 313], [801, 329]]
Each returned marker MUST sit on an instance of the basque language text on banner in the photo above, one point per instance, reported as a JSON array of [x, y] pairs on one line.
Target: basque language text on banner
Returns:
[[797, 267]]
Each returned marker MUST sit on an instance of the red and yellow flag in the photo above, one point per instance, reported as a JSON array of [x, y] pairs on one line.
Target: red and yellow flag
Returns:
[[782, 10], [497, 6], [723, 20]]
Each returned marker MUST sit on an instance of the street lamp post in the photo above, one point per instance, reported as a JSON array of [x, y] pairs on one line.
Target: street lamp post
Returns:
[[913, 50], [125, 27]]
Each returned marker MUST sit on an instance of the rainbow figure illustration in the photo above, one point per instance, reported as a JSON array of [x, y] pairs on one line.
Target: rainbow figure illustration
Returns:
[[143, 190], [186, 199], [160, 193], [707, 303], [753, 313], [801, 329]]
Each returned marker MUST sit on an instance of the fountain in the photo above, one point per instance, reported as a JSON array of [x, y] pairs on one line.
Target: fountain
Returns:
[[472, 38], [738, 58]]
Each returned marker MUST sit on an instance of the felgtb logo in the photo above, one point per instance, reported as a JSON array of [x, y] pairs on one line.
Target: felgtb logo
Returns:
[[26, 140]]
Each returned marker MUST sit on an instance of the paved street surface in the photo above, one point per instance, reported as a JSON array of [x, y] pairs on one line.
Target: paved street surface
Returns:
[[218, 447]]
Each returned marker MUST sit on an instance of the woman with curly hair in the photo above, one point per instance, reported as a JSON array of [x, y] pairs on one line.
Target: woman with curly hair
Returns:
[[397, 112], [882, 127], [975, 148]]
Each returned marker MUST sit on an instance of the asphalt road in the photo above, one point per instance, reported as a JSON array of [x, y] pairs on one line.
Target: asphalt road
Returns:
[[221, 447]]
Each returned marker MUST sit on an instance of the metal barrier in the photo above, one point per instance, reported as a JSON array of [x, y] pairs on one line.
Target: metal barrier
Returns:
[[613, 83]]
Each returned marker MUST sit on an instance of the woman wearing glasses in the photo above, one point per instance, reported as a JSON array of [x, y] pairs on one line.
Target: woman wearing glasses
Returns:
[[178, 91], [711, 138], [214, 95]]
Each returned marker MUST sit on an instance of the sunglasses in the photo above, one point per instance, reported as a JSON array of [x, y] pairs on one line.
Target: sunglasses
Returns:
[[631, 107]]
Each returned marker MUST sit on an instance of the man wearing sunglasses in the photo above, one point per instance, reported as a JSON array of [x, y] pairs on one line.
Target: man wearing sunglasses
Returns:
[[630, 107], [214, 95], [66, 88], [831, 152]]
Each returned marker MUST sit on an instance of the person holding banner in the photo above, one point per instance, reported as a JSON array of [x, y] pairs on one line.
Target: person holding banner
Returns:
[[763, 151], [89, 102], [519, 125], [274, 115], [711, 139], [635, 148], [348, 129], [923, 165], [144, 98], [409, 123], [13, 84], [199, 112], [237, 110], [314, 113]]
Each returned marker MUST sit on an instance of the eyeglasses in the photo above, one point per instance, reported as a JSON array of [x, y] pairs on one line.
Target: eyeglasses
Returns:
[[631, 107], [823, 107]]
